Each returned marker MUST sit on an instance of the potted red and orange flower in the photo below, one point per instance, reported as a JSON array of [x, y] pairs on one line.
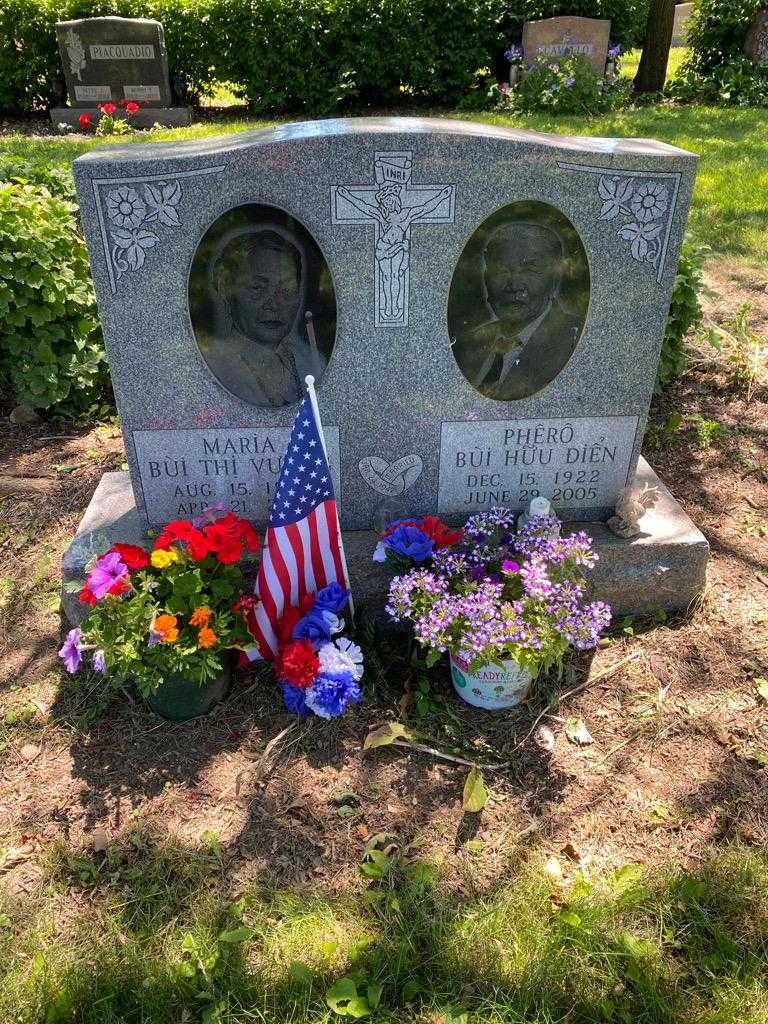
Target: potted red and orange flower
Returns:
[[169, 620]]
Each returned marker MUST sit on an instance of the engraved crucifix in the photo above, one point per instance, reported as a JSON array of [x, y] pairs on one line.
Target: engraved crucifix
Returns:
[[392, 204]]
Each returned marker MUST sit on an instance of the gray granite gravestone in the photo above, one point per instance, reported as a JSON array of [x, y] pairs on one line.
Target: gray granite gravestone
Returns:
[[756, 39], [482, 308], [680, 25], [111, 59], [557, 37]]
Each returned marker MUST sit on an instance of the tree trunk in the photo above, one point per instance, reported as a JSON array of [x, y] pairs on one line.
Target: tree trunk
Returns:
[[652, 72]]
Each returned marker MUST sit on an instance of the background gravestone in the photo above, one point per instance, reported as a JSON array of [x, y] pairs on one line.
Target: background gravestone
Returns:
[[680, 25], [106, 60], [756, 40], [419, 267], [556, 37]]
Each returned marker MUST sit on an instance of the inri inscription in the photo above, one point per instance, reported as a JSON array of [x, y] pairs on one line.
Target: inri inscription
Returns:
[[576, 463], [184, 471]]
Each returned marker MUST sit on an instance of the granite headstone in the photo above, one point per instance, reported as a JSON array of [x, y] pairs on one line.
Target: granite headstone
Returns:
[[482, 308], [112, 59], [756, 39], [680, 24], [558, 37]]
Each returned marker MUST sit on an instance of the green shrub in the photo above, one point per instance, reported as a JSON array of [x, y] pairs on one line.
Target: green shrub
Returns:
[[312, 56], [51, 352], [568, 86], [685, 314], [716, 70]]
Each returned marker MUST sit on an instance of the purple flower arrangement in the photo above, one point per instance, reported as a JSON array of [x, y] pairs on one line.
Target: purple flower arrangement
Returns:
[[503, 595], [319, 672]]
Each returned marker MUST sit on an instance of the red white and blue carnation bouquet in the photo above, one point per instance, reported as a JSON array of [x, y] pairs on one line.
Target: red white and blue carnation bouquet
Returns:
[[319, 670]]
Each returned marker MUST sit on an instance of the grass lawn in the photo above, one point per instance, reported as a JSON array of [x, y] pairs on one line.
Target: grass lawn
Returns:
[[729, 213]]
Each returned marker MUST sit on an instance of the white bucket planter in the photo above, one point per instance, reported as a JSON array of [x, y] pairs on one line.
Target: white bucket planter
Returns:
[[491, 687]]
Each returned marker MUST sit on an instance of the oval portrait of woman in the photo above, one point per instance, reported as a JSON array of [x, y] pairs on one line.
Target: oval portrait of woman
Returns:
[[518, 300], [262, 305]]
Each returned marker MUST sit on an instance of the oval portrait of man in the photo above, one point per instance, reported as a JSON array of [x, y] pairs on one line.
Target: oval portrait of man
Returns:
[[518, 301], [262, 305]]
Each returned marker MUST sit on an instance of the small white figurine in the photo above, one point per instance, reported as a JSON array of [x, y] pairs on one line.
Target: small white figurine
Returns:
[[538, 507], [631, 506]]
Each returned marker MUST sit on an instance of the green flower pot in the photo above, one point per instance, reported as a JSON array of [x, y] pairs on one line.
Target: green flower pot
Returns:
[[179, 699]]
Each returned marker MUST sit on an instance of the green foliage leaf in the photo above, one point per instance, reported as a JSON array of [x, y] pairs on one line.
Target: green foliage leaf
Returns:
[[343, 999], [300, 973], [385, 734], [475, 795], [236, 935]]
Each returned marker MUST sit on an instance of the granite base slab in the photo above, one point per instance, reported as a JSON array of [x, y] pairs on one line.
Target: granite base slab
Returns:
[[664, 567], [145, 117]]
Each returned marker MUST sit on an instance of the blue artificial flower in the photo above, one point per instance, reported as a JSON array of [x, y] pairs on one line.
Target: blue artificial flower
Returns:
[[317, 625], [411, 542], [332, 598], [295, 698], [331, 692]]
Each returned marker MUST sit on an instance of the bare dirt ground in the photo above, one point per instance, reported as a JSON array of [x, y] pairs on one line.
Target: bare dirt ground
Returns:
[[680, 749]]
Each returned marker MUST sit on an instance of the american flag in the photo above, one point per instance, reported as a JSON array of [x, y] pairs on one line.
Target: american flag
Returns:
[[302, 552]]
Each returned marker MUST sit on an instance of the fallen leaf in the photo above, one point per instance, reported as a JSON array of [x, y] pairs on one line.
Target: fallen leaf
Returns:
[[570, 851], [577, 732], [475, 794], [553, 868], [544, 738], [14, 856], [384, 735], [100, 840], [29, 751]]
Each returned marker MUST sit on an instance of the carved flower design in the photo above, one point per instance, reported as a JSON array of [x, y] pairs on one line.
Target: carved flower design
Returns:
[[650, 201], [130, 247], [125, 207], [162, 198], [616, 194], [642, 236]]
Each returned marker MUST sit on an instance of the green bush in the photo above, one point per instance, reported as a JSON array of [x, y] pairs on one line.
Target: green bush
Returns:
[[685, 314], [716, 70], [568, 86], [51, 352], [310, 56]]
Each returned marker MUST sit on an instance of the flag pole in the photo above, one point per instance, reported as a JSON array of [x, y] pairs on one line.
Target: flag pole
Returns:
[[309, 380]]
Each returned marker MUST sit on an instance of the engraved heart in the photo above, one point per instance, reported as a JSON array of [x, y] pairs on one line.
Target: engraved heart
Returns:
[[391, 478]]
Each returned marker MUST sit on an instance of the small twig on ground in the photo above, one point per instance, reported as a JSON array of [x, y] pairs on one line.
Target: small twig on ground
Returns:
[[438, 753]]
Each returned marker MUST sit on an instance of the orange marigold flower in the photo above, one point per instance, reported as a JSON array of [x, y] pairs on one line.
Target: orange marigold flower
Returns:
[[200, 617], [206, 637], [170, 636], [165, 622]]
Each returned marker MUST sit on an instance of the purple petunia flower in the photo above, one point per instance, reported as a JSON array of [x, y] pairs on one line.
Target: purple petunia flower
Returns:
[[209, 515], [98, 662], [71, 653], [569, 82], [105, 574], [509, 566]]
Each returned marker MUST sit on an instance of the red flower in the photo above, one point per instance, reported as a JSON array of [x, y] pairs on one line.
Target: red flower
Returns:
[[183, 530], [291, 616], [247, 603], [229, 535], [84, 120], [122, 102], [396, 526], [133, 556], [439, 532], [107, 108], [119, 587], [131, 108], [298, 664], [87, 597]]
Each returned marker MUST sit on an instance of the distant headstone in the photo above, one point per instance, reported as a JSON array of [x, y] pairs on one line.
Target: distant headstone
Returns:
[[482, 308], [680, 25], [557, 37], [756, 40], [109, 60]]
